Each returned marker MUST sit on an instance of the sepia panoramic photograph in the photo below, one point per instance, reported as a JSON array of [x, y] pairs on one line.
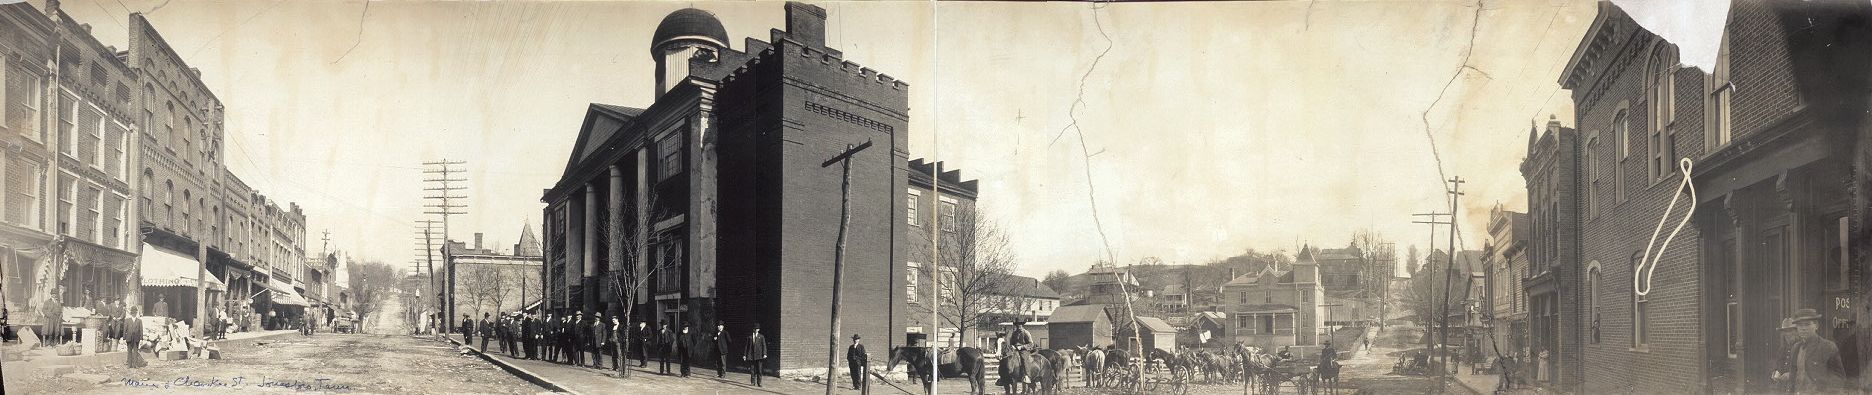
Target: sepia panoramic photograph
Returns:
[[921, 197]]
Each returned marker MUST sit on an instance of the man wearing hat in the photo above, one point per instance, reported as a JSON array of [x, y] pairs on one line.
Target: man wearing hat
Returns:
[[1784, 367], [720, 341], [755, 355], [1021, 342], [1816, 360], [858, 359]]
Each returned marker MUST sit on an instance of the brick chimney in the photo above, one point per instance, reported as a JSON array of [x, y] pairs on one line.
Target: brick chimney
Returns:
[[477, 241], [806, 23]]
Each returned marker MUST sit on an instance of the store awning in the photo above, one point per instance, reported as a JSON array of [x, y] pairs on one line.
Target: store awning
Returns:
[[283, 293], [167, 269], [291, 299]]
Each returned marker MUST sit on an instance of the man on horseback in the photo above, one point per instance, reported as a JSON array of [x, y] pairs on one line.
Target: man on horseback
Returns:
[[1020, 342]]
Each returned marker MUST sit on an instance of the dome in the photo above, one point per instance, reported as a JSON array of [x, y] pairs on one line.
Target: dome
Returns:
[[690, 23]]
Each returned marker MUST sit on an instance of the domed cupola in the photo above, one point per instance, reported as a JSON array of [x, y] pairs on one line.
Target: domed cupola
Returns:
[[682, 35]]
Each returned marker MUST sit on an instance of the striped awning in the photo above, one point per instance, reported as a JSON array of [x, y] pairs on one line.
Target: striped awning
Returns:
[[283, 293], [167, 269]]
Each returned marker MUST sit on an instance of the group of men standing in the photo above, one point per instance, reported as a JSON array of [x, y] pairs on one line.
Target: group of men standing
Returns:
[[579, 340], [1809, 364]]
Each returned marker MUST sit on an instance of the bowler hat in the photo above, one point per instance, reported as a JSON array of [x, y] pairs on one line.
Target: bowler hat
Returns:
[[855, 336], [1787, 324], [1806, 315]]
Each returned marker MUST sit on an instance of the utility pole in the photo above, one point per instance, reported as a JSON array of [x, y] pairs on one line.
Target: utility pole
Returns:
[[1449, 272], [447, 202], [1429, 341], [425, 264], [838, 256]]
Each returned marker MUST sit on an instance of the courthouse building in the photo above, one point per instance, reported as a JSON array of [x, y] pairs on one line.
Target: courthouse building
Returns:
[[718, 198], [1769, 131]]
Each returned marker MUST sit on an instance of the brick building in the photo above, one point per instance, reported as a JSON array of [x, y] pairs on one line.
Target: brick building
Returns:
[[955, 215], [490, 281], [1553, 264], [720, 185], [119, 155], [1769, 137], [1507, 303]]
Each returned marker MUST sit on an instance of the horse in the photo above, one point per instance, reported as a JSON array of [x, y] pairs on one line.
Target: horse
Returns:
[[1054, 376], [968, 363], [1094, 365], [1022, 371]]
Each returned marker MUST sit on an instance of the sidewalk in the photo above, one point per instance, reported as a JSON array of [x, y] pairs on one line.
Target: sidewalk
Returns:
[[44, 361], [645, 380]]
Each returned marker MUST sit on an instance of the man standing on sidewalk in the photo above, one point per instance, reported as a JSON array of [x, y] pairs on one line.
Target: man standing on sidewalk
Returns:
[[641, 339], [133, 339], [859, 361], [467, 330], [755, 355], [666, 344], [487, 330], [601, 336], [720, 341], [682, 348]]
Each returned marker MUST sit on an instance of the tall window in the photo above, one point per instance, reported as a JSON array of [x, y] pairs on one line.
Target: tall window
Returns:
[[910, 204], [1661, 98], [88, 213], [22, 103], [948, 215], [1641, 312], [90, 136], [22, 189], [1591, 168], [67, 107], [670, 150], [115, 142], [910, 280], [65, 192], [1593, 279], [1621, 126], [1716, 106]]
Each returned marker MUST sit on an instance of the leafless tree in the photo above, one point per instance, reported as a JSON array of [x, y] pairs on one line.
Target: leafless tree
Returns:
[[976, 261], [1378, 256], [625, 284], [370, 282]]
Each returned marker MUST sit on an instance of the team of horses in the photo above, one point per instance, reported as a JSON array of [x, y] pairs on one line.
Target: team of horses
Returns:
[[1045, 371]]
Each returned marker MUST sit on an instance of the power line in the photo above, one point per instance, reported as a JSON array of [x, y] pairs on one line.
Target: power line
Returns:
[[445, 184]]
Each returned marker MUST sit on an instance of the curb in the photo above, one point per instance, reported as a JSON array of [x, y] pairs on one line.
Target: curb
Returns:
[[527, 375]]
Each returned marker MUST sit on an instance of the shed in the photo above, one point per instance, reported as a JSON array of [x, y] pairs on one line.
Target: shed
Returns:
[[1079, 325], [1156, 334]]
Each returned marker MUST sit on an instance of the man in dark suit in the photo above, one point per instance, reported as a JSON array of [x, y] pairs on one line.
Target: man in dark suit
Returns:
[[642, 337], [487, 330], [467, 330], [858, 360], [575, 350], [666, 344], [720, 340], [601, 334], [133, 340], [755, 355], [683, 341]]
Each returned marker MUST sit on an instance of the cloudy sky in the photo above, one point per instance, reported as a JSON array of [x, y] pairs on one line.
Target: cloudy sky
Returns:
[[1212, 128]]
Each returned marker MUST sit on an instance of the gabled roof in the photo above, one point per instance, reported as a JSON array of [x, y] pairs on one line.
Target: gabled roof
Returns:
[[1155, 325], [1012, 285], [602, 121], [1078, 314]]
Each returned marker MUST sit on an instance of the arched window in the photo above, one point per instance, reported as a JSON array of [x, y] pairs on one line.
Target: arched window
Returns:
[[1661, 99], [1641, 311], [1716, 105], [1594, 277], [1621, 126]]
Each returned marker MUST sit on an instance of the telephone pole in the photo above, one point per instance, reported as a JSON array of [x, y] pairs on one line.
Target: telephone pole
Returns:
[[447, 202], [1429, 341], [425, 250], [1449, 272], [838, 256]]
